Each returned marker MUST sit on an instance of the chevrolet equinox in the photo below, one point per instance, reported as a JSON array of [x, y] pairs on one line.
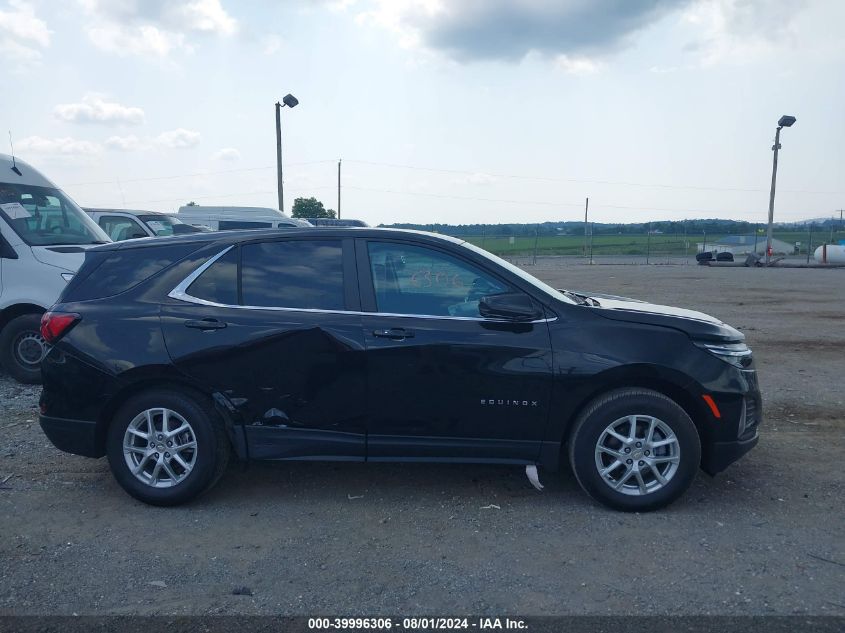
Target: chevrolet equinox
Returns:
[[172, 356]]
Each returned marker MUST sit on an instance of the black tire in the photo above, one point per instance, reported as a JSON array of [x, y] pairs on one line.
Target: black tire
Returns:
[[618, 404], [212, 453], [26, 325]]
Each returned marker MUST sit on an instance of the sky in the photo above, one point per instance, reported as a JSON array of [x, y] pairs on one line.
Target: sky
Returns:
[[442, 111]]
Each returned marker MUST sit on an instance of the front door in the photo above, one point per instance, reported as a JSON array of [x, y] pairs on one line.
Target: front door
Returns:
[[443, 382], [268, 325]]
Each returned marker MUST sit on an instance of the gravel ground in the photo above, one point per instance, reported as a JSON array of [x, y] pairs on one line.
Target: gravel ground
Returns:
[[765, 537]]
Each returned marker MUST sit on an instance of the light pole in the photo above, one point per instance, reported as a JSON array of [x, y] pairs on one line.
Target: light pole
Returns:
[[784, 121], [291, 102]]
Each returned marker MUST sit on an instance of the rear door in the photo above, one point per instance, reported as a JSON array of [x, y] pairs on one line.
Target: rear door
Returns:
[[273, 325], [443, 382]]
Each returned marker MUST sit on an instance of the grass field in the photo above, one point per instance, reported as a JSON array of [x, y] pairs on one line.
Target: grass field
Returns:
[[626, 244]]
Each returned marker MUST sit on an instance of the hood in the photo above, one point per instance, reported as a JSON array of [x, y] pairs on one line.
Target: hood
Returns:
[[68, 258], [696, 324]]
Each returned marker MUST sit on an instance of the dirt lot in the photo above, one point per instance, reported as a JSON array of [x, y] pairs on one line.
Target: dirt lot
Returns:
[[765, 537]]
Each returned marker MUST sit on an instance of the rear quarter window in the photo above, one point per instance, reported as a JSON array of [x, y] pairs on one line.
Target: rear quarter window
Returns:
[[108, 273]]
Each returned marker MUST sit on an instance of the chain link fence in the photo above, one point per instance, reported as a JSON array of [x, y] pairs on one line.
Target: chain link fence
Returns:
[[794, 245]]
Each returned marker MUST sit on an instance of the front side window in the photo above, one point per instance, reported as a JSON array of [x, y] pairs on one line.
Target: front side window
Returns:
[[417, 280], [293, 274], [43, 216], [121, 228]]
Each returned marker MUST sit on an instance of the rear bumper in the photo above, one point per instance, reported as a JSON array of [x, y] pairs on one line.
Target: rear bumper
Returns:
[[723, 454], [73, 436]]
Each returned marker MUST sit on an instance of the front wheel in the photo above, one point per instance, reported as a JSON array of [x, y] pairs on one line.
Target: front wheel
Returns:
[[634, 450], [166, 447]]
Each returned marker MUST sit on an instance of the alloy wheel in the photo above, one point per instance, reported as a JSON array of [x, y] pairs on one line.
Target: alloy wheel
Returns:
[[160, 447], [637, 455]]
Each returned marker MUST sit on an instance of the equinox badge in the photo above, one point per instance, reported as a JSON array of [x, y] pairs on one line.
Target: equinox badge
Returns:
[[509, 403]]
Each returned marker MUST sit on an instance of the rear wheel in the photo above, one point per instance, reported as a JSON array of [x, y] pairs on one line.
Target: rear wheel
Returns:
[[166, 447], [22, 348], [634, 450]]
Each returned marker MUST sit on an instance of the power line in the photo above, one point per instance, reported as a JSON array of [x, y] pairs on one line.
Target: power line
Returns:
[[196, 174], [222, 195], [580, 180], [540, 202]]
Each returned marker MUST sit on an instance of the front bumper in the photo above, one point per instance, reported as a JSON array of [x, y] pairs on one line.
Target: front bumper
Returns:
[[723, 454], [73, 436]]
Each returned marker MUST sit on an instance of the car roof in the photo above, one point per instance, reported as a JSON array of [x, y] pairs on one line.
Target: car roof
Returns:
[[245, 235], [28, 174]]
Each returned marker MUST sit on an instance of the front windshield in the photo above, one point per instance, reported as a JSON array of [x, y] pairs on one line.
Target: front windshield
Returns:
[[557, 294], [43, 216], [160, 224]]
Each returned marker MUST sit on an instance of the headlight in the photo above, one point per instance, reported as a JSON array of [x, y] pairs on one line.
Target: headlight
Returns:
[[67, 276], [737, 354]]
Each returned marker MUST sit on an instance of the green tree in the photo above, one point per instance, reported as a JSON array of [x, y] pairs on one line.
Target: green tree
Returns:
[[311, 208]]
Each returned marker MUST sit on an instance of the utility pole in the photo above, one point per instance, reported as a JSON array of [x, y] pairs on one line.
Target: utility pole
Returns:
[[279, 184], [338, 187], [586, 209]]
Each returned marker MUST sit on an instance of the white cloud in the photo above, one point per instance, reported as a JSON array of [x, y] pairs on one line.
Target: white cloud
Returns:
[[140, 41], [180, 138], [577, 65], [95, 109], [271, 44], [205, 15], [227, 154], [65, 146], [126, 143], [745, 31], [22, 34], [154, 27]]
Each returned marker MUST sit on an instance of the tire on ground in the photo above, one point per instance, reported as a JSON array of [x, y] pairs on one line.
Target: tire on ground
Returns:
[[212, 454], [9, 337], [612, 406]]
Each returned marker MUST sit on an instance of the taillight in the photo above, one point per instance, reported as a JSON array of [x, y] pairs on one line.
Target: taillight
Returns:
[[56, 324]]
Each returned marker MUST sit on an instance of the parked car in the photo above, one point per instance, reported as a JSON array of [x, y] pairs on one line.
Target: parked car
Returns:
[[127, 224], [725, 256], [171, 356], [43, 236], [228, 218]]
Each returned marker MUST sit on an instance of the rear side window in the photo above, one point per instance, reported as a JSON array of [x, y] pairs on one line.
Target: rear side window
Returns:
[[293, 274], [237, 224], [121, 270], [219, 282]]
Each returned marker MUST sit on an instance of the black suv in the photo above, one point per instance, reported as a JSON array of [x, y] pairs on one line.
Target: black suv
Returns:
[[171, 356]]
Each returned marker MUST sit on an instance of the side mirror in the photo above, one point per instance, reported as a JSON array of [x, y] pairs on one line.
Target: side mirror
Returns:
[[512, 306]]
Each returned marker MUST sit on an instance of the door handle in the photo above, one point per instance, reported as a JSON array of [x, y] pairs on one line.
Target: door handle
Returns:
[[395, 333], [205, 324]]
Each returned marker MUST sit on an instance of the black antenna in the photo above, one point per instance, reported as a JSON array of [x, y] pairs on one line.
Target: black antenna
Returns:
[[14, 165]]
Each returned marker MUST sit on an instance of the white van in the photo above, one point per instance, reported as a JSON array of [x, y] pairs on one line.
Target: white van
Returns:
[[43, 237], [128, 224], [226, 218]]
